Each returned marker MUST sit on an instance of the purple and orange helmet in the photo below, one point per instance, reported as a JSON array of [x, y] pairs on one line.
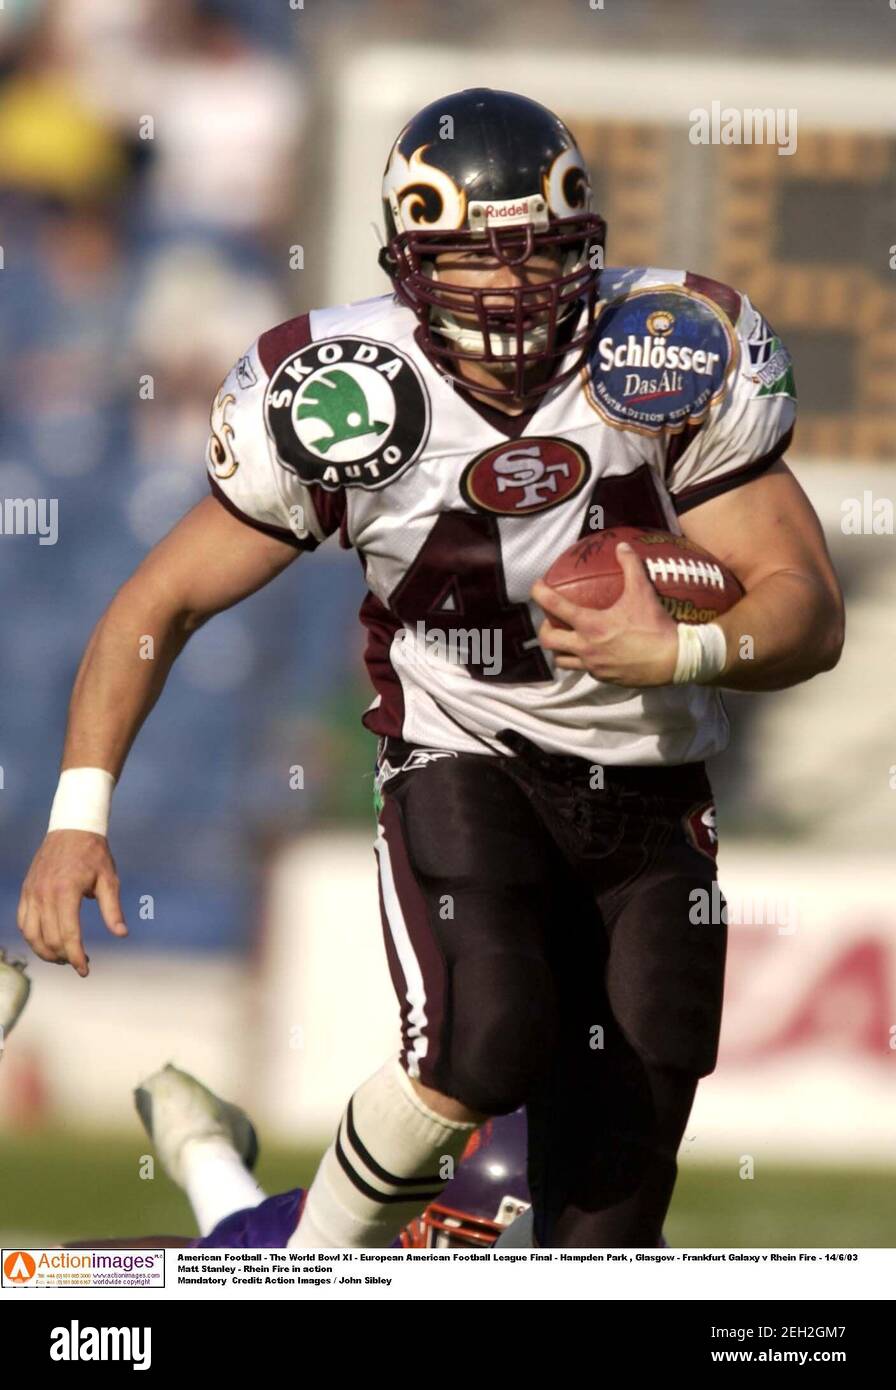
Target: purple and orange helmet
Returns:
[[488, 1192]]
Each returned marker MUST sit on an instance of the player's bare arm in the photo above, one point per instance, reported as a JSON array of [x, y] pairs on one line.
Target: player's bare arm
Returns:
[[792, 612], [787, 628], [207, 563]]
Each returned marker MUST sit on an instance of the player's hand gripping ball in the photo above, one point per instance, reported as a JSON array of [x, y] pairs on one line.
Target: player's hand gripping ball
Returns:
[[613, 601]]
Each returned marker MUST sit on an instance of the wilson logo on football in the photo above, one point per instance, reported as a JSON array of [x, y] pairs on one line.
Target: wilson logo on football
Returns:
[[525, 476]]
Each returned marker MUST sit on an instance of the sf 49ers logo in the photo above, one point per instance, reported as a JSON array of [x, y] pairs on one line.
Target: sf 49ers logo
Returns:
[[524, 476], [700, 827], [347, 412]]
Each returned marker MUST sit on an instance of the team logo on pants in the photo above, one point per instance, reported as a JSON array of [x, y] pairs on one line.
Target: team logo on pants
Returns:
[[700, 827], [524, 476], [347, 412]]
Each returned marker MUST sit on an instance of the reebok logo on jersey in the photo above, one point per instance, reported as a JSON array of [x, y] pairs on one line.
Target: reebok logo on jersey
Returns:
[[77, 1343], [245, 373]]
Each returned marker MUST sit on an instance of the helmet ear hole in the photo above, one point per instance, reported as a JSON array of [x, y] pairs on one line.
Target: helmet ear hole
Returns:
[[387, 262]]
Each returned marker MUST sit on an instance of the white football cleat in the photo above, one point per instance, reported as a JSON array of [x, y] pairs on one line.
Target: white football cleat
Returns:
[[176, 1109], [15, 986]]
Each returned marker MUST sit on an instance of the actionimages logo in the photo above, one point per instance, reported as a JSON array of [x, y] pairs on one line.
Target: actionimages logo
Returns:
[[19, 1267], [77, 1343], [57, 1269]]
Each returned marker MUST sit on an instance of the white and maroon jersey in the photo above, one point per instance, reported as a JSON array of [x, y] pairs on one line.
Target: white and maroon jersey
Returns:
[[336, 421]]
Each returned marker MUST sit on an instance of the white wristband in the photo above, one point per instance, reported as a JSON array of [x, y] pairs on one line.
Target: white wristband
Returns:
[[82, 801], [702, 653]]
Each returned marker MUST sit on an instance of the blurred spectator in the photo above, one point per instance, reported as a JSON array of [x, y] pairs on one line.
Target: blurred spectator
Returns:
[[51, 144], [62, 325], [195, 310], [219, 121], [227, 119]]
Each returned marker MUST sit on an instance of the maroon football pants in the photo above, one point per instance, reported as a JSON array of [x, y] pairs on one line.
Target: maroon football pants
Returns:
[[545, 941]]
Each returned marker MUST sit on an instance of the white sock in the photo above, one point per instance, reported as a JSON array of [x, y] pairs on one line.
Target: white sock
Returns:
[[388, 1143], [216, 1181]]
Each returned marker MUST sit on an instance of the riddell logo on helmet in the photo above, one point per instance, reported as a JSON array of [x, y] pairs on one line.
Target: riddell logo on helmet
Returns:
[[510, 211], [502, 210]]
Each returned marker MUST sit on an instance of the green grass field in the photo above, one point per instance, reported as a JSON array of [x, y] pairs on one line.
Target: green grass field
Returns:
[[60, 1185], [66, 1184]]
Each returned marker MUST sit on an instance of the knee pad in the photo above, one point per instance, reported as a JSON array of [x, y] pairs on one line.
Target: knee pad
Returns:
[[503, 1030], [490, 1013], [665, 979]]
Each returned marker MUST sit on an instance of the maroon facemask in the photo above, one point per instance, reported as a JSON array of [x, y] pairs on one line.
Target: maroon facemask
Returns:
[[524, 332]]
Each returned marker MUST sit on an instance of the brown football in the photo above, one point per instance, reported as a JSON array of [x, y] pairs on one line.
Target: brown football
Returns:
[[694, 586]]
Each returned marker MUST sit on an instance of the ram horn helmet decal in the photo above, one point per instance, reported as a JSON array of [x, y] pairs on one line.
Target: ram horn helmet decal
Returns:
[[422, 195]]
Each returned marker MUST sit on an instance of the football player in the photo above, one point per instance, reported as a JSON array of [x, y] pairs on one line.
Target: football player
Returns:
[[209, 1147], [544, 810]]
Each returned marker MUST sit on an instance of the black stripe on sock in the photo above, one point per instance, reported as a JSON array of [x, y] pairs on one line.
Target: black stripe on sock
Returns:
[[385, 1198], [370, 1162]]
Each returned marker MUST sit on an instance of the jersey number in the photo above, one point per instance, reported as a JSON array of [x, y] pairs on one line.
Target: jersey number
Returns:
[[456, 586]]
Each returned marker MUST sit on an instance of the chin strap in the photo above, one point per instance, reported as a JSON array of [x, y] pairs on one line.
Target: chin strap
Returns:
[[469, 339]]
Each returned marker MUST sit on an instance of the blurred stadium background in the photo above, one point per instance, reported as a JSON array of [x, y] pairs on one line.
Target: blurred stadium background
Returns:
[[176, 176]]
